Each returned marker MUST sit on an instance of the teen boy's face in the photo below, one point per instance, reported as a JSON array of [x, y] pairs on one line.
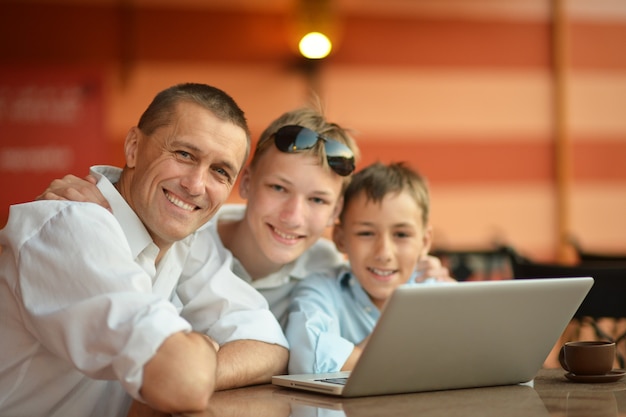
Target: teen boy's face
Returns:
[[383, 241], [291, 200]]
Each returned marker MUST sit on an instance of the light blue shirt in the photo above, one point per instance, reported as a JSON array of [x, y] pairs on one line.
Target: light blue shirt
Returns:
[[329, 314]]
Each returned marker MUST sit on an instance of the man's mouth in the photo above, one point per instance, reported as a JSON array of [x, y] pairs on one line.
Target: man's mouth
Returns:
[[179, 203]]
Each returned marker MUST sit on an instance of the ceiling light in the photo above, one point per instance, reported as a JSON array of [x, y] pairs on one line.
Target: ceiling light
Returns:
[[315, 45]]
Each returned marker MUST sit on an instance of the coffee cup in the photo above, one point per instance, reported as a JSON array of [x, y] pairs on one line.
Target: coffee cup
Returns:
[[587, 357]]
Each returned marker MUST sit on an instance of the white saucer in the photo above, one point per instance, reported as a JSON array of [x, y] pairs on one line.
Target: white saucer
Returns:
[[612, 376]]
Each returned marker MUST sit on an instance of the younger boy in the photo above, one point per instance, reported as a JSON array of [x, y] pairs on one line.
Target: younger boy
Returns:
[[384, 231]]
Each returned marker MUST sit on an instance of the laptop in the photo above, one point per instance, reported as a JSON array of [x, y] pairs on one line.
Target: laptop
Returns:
[[463, 335]]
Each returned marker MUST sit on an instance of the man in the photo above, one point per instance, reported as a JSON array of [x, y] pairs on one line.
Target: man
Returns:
[[95, 305]]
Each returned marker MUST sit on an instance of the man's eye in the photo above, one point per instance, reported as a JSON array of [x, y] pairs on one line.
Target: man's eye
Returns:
[[222, 172], [183, 154]]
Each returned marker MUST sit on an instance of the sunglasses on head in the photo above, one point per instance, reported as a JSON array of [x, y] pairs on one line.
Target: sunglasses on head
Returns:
[[294, 138]]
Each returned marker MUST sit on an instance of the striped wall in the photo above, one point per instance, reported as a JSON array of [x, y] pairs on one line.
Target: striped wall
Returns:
[[463, 90]]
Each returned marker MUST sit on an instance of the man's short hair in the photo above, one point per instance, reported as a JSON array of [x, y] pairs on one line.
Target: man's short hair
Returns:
[[163, 107]]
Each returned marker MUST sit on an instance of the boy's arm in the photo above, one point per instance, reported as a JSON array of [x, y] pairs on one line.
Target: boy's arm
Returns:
[[314, 329], [355, 355], [73, 188]]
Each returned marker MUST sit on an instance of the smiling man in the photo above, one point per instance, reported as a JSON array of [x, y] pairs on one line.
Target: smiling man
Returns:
[[96, 307], [172, 180]]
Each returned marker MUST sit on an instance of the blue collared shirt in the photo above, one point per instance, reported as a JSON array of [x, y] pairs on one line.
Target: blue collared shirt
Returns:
[[329, 314]]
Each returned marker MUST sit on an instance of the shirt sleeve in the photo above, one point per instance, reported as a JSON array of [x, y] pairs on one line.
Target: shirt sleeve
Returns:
[[219, 303], [81, 293], [314, 327]]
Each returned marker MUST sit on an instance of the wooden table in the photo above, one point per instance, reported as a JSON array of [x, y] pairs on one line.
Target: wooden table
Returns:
[[551, 394]]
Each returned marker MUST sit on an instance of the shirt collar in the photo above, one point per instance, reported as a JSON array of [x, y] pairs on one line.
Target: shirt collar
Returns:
[[138, 237], [345, 276]]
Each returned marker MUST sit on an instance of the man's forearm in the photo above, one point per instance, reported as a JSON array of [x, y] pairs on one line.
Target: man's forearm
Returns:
[[249, 362], [181, 376]]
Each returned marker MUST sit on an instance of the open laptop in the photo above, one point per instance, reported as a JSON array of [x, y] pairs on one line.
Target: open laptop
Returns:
[[464, 335]]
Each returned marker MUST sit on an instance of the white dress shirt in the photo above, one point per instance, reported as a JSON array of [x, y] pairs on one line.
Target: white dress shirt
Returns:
[[83, 307]]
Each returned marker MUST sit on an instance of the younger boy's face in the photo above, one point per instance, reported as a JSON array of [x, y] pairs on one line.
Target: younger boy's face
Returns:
[[383, 241]]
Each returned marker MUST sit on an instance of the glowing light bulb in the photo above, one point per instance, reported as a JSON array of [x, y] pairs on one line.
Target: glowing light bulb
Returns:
[[315, 45]]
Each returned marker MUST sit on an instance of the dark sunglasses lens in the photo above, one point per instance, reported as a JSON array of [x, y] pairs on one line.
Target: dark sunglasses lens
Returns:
[[342, 166], [294, 138], [340, 157]]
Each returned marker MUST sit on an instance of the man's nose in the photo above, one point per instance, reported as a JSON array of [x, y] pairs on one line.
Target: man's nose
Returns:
[[195, 180]]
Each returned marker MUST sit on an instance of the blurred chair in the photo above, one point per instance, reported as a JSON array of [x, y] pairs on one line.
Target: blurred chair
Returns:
[[604, 308], [476, 264], [597, 258]]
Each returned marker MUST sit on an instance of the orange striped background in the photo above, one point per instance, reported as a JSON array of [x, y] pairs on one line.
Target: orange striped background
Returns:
[[463, 90]]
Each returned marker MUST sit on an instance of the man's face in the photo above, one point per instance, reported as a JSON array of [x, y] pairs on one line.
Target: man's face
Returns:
[[179, 176]]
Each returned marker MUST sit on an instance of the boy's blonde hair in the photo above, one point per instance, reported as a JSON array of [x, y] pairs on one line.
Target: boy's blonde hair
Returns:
[[378, 180], [312, 119]]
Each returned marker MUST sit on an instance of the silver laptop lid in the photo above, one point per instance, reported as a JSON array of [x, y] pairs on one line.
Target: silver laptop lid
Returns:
[[468, 334]]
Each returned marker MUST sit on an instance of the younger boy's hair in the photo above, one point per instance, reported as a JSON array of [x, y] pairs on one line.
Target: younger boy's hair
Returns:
[[378, 180]]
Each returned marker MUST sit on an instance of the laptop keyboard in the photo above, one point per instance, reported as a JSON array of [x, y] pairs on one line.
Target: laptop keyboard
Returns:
[[338, 381]]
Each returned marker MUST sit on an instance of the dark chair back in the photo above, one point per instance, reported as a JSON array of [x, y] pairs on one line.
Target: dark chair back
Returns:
[[607, 297], [598, 258], [476, 264]]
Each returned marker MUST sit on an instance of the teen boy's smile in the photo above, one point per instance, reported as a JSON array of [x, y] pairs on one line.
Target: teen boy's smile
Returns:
[[292, 199]]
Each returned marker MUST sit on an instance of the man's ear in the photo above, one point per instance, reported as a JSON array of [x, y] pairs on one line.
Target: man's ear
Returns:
[[131, 144], [244, 183], [339, 238]]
